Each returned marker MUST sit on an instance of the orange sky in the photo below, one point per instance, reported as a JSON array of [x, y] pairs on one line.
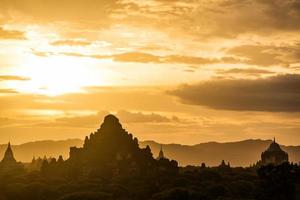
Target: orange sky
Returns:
[[177, 71]]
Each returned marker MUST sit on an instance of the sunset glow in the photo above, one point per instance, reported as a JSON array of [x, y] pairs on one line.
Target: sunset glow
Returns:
[[200, 71]]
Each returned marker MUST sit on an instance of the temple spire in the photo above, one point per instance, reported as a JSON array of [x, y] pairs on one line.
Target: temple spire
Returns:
[[161, 153], [9, 155]]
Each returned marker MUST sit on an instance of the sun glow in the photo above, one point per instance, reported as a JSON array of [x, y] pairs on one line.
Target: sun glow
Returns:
[[56, 75]]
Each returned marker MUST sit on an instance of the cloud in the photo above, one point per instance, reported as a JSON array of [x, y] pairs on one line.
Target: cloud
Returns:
[[267, 55], [141, 57], [90, 121], [274, 94], [52, 11], [70, 43], [12, 78], [8, 91], [62, 117], [189, 59], [111, 98], [14, 122], [79, 121], [139, 117], [137, 57], [222, 18], [270, 16], [245, 71], [11, 34], [257, 55], [153, 47], [205, 19]]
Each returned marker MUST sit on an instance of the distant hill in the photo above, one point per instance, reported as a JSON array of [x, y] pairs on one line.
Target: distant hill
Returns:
[[241, 153], [26, 151]]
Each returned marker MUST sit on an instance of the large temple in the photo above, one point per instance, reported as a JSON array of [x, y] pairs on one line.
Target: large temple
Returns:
[[274, 155], [112, 151]]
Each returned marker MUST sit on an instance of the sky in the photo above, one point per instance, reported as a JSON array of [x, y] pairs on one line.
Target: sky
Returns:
[[173, 71]]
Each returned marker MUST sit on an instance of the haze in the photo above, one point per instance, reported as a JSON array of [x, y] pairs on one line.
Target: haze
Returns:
[[180, 71]]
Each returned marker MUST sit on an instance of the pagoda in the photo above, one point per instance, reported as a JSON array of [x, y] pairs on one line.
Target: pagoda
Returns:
[[161, 154], [9, 156], [274, 155], [9, 165]]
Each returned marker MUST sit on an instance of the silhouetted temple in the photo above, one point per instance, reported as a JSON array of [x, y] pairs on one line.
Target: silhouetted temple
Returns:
[[224, 165], [274, 155], [9, 163], [111, 151], [160, 154], [8, 156]]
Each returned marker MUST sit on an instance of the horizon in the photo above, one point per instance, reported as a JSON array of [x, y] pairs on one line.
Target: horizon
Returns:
[[192, 144], [111, 125]]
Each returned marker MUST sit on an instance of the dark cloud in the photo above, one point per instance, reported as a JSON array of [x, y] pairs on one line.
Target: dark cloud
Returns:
[[11, 34], [282, 14], [274, 94], [12, 78], [233, 17]]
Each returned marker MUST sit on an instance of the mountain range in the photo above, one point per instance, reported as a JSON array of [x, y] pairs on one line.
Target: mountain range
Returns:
[[241, 153]]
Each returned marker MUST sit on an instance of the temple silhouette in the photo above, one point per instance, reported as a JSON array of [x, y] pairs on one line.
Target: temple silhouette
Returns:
[[8, 156], [9, 163], [109, 152], [161, 154], [274, 155]]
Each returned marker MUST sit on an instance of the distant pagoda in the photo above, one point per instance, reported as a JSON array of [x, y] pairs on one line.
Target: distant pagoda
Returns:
[[274, 155], [161, 154], [9, 165], [8, 156]]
